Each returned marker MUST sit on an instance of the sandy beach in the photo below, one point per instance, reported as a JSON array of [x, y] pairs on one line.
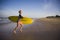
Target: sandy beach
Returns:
[[40, 29]]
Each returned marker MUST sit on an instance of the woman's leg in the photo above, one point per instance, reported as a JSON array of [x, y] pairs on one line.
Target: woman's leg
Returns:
[[21, 26], [16, 28]]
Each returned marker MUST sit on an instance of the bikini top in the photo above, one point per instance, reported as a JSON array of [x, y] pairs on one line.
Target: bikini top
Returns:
[[20, 16]]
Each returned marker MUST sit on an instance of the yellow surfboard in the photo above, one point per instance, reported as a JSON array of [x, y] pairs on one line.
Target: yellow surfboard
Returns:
[[24, 20]]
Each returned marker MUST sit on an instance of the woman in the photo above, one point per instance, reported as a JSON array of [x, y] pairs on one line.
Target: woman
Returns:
[[19, 23]]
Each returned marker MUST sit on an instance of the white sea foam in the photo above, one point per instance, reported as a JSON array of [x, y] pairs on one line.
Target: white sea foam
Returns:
[[4, 20]]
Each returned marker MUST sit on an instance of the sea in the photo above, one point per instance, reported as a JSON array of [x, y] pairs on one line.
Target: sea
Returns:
[[4, 20]]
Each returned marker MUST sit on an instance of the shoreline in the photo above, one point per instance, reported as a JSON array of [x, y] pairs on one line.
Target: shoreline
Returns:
[[39, 29]]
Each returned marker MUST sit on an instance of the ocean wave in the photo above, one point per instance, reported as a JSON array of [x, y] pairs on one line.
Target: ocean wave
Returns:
[[4, 20]]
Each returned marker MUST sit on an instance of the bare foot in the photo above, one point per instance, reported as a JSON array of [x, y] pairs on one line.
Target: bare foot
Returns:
[[14, 32], [20, 30]]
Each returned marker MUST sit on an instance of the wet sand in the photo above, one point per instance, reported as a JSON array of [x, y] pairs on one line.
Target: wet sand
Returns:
[[38, 30]]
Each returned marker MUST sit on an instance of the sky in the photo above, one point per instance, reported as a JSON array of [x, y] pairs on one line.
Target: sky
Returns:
[[30, 8]]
